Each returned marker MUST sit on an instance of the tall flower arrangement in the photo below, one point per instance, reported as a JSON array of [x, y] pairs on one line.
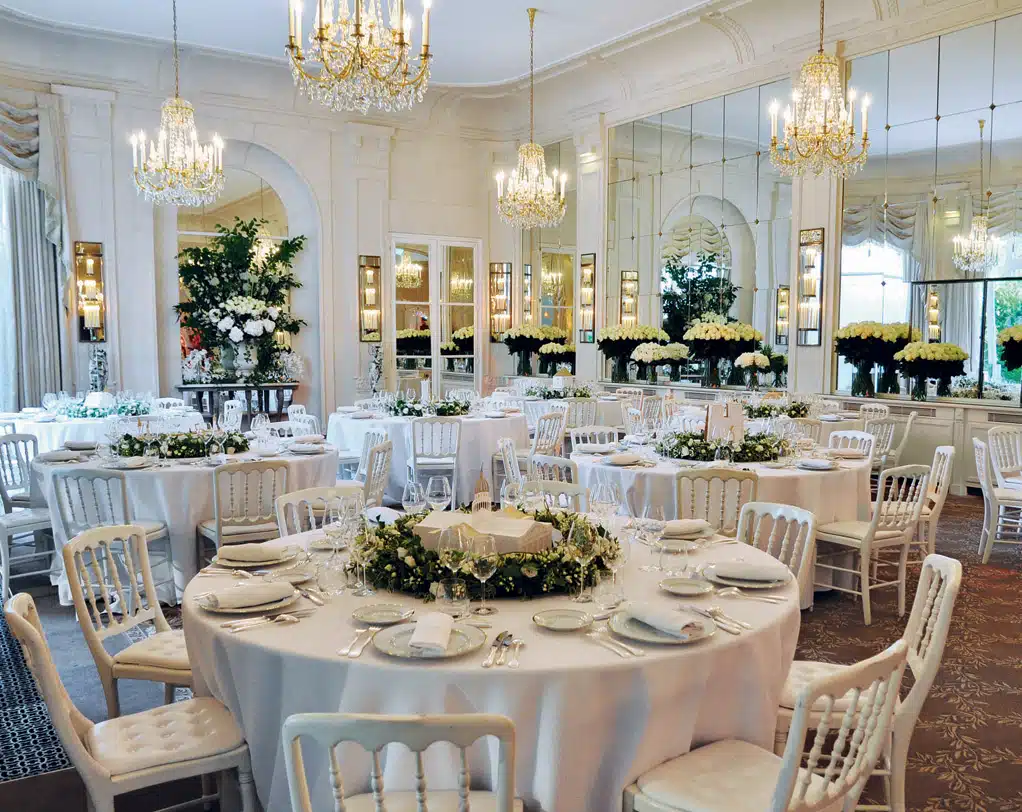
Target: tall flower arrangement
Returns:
[[238, 300], [712, 338], [1010, 341], [619, 342], [526, 339], [920, 361], [553, 353], [864, 344]]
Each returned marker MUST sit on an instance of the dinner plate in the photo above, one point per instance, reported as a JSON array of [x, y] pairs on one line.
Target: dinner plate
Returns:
[[563, 620], [680, 585], [494, 415], [621, 624], [288, 555], [382, 614], [128, 464], [394, 641], [308, 449], [623, 459], [293, 575], [326, 545], [283, 603], [710, 574], [816, 465], [831, 418]]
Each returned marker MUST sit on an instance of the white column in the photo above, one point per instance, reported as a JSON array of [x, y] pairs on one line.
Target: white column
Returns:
[[590, 198]]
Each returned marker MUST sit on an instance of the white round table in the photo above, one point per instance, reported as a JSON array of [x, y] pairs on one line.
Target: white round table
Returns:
[[587, 722], [52, 431], [761, 425], [608, 411], [479, 436], [181, 496]]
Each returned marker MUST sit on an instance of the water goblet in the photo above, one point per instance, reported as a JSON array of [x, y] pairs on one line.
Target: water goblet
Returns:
[[438, 492], [616, 561], [651, 534], [483, 564], [451, 549], [605, 593], [413, 497], [510, 494], [452, 597]]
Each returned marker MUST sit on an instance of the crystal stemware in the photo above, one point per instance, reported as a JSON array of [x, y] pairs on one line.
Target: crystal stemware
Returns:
[[438, 492], [483, 564], [451, 549], [413, 497]]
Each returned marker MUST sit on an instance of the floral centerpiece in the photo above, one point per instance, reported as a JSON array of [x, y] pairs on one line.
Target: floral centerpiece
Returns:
[[675, 355], [400, 407], [553, 353], [412, 342], [398, 562], [752, 363], [694, 446], [710, 339], [648, 357], [238, 289], [451, 407], [920, 361], [179, 445], [617, 343], [546, 393], [797, 408], [1010, 341], [864, 344], [526, 339], [126, 408]]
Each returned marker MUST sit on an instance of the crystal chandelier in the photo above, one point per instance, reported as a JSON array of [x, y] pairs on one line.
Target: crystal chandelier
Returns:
[[408, 274], [531, 199], [354, 61], [177, 169], [980, 251], [819, 130]]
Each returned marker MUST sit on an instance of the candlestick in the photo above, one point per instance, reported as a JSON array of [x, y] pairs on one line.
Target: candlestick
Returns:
[[426, 6]]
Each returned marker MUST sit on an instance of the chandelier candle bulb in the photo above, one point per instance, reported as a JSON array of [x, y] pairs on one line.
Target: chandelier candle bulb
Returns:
[[426, 6]]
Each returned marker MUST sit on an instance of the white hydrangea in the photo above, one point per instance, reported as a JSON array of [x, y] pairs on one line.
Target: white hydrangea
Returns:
[[225, 324], [648, 353], [273, 312], [269, 326], [236, 335], [254, 328]]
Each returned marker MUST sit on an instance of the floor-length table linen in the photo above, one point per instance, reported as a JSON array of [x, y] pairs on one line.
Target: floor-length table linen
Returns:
[[587, 722], [479, 436], [608, 411], [51, 434], [181, 496]]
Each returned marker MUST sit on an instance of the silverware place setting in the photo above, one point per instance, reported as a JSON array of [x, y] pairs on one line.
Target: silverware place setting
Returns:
[[735, 592], [358, 643], [722, 622], [245, 624], [602, 637], [497, 647]]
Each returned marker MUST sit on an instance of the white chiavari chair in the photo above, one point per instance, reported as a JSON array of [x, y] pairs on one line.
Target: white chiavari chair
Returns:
[[110, 606], [1005, 451], [786, 532], [299, 511], [303, 425], [334, 732], [652, 410], [581, 412], [894, 455], [882, 430], [716, 495], [874, 411], [562, 495], [370, 440], [295, 409], [850, 438], [687, 424], [16, 454], [849, 712], [633, 393], [536, 409], [168, 403], [543, 467], [436, 442], [633, 420], [549, 436], [593, 435], [925, 636], [244, 496], [378, 473], [233, 414], [941, 470], [901, 493], [7, 427], [16, 523], [196, 737], [1002, 507], [809, 427], [509, 459]]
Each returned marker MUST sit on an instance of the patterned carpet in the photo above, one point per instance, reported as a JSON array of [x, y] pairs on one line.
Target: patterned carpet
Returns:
[[967, 750]]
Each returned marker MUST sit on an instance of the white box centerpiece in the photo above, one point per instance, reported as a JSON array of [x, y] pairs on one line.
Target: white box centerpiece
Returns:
[[511, 534]]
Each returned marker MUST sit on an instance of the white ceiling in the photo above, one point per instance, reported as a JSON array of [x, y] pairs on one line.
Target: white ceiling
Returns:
[[475, 42]]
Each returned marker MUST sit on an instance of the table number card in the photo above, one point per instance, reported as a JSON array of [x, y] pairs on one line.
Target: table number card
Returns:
[[724, 419]]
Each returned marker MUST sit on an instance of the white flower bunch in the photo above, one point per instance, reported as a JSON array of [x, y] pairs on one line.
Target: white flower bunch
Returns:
[[710, 331], [648, 353], [1010, 334], [895, 331], [527, 331], [556, 348], [937, 351], [195, 368], [675, 352], [633, 332], [292, 365], [712, 318], [554, 333], [448, 346], [245, 306], [464, 332], [412, 334], [261, 320], [372, 336], [746, 332], [747, 360]]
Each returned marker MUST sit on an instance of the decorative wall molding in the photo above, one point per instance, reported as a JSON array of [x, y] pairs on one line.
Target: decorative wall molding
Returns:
[[739, 37]]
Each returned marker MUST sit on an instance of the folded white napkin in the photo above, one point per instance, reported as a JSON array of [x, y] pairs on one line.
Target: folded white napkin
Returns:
[[306, 448], [635, 438], [79, 445], [816, 465], [664, 620], [384, 514], [251, 553], [687, 528], [363, 415], [831, 418], [595, 448], [310, 438], [432, 633], [607, 397], [752, 570], [347, 409], [57, 456], [251, 594], [625, 458], [495, 413]]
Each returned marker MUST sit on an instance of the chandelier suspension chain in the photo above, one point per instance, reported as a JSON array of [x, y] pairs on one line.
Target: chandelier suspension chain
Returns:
[[821, 25], [532, 75], [177, 59], [984, 199]]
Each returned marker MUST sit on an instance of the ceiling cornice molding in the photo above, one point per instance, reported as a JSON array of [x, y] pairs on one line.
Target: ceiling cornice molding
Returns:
[[739, 37]]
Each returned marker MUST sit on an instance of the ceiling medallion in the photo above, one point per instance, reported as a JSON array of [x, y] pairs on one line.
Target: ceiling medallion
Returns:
[[531, 199], [176, 169], [980, 251], [354, 61], [819, 130]]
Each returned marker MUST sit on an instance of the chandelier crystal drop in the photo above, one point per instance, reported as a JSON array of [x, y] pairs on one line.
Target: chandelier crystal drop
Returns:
[[408, 274], [980, 251], [176, 169], [355, 59], [819, 128], [531, 198]]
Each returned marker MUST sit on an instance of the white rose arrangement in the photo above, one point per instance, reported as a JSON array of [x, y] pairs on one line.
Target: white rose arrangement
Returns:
[[922, 360], [242, 316], [932, 351], [648, 353], [1010, 341], [749, 360]]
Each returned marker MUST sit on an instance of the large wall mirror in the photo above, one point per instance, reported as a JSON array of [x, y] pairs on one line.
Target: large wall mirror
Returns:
[[696, 209], [922, 187]]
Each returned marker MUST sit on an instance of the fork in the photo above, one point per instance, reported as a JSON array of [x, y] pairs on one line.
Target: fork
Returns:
[[343, 650], [368, 635], [244, 623], [605, 633], [716, 611], [602, 641]]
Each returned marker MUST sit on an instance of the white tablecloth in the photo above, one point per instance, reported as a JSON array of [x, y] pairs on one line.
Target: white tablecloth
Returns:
[[608, 412], [53, 434], [181, 496], [587, 722], [479, 436], [760, 425]]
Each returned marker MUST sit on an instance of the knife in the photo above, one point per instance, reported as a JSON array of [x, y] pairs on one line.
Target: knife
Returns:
[[720, 624], [498, 644]]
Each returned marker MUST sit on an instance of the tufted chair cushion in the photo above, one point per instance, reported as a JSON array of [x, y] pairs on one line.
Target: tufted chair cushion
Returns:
[[196, 728], [153, 529], [852, 531], [162, 650]]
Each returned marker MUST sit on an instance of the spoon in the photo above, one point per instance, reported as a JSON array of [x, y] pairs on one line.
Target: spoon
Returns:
[[735, 592], [518, 643]]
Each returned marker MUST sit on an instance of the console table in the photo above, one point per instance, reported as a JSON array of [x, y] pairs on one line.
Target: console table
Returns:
[[264, 398]]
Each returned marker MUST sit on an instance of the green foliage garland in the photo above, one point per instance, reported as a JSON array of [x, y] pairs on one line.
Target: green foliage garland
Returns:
[[694, 446], [178, 445]]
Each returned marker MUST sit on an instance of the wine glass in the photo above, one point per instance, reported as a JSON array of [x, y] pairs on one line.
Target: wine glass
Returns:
[[413, 497], [361, 552], [260, 425], [604, 500], [438, 492], [483, 563], [510, 494], [617, 561], [451, 549], [651, 534], [583, 550]]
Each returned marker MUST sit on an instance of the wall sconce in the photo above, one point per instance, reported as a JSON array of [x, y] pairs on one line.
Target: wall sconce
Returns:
[[629, 297], [90, 296], [933, 315], [587, 299], [527, 294], [500, 299], [810, 287], [782, 318], [369, 321]]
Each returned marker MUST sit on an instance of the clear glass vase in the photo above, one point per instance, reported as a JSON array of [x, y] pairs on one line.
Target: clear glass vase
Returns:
[[862, 381]]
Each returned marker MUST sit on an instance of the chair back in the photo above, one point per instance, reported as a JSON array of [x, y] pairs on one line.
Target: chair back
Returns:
[[851, 438], [562, 495], [874, 411], [1005, 452], [375, 733], [882, 430], [370, 440], [536, 409], [509, 458], [633, 419], [894, 457], [510, 402], [302, 424], [306, 509], [581, 412], [652, 409], [593, 435], [71, 726], [168, 403], [282, 429], [901, 493], [809, 427], [980, 449], [377, 473], [245, 493], [436, 437], [544, 467], [16, 454], [549, 434], [716, 495], [462, 394], [7, 427], [786, 532], [634, 393], [90, 499], [855, 734], [687, 424], [941, 470], [234, 411], [294, 410], [86, 556]]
